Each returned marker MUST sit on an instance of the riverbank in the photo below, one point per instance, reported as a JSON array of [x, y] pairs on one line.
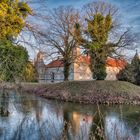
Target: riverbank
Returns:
[[101, 92]]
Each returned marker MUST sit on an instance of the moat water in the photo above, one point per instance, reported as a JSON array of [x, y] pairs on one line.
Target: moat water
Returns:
[[27, 117]]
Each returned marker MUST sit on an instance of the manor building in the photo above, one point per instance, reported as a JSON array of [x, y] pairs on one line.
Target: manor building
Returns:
[[79, 69]]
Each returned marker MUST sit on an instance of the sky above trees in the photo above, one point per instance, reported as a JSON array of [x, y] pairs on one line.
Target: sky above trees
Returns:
[[129, 9]]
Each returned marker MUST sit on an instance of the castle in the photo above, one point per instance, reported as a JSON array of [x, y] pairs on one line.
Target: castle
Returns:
[[79, 69]]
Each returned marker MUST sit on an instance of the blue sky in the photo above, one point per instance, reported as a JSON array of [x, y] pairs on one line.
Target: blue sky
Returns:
[[129, 11], [76, 3]]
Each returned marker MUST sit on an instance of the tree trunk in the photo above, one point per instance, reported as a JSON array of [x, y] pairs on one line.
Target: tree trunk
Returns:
[[92, 64], [66, 70], [98, 66]]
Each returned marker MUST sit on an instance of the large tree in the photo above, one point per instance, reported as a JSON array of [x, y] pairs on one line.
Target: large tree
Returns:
[[12, 17], [13, 60], [98, 29], [59, 36], [97, 36]]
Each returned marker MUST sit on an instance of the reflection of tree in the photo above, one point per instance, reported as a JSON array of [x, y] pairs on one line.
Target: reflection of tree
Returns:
[[28, 129], [4, 104], [66, 124], [76, 125], [71, 122], [130, 116], [97, 128], [38, 111], [27, 103], [39, 120], [133, 122], [31, 110]]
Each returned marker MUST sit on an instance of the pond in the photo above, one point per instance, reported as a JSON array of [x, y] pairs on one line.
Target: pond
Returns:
[[27, 117]]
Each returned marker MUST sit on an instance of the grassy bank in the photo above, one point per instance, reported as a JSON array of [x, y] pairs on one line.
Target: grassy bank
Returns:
[[104, 92]]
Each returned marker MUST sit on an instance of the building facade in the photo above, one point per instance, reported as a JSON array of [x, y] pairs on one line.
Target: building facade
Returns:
[[79, 69]]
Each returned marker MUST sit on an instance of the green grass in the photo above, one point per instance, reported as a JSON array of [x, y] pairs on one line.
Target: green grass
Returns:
[[94, 87], [106, 92]]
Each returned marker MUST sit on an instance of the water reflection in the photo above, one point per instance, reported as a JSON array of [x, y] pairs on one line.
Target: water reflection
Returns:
[[26, 117], [117, 128], [77, 125]]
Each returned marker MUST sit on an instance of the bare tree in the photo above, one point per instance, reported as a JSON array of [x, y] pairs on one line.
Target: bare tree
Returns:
[[60, 24]]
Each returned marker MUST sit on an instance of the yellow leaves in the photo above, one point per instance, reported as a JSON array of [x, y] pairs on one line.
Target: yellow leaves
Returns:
[[29, 73], [12, 17], [108, 22], [99, 27], [24, 9], [3, 9]]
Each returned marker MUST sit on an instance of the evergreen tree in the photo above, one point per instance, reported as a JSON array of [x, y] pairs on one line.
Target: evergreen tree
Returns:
[[138, 78], [127, 74], [136, 62], [136, 68], [13, 60], [131, 73], [97, 31]]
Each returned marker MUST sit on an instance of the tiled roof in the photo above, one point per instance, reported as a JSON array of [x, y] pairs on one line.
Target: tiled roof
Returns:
[[116, 62], [86, 59], [55, 63]]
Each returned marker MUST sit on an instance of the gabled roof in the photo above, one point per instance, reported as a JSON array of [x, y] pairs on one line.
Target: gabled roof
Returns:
[[121, 63], [86, 59], [55, 63]]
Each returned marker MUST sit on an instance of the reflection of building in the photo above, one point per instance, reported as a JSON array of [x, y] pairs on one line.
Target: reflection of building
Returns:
[[75, 122], [79, 69], [116, 128], [80, 126]]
